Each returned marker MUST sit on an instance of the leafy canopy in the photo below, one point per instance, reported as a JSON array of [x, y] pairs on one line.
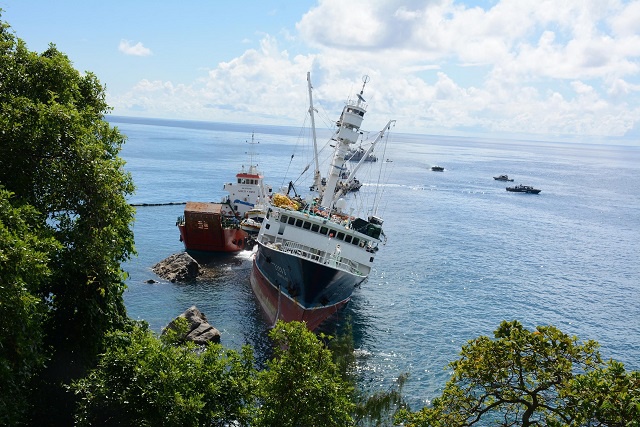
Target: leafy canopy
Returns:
[[59, 160], [144, 381], [24, 267], [59, 156], [302, 386], [532, 378]]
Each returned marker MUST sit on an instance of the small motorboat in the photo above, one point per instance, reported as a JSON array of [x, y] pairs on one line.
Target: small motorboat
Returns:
[[502, 178], [437, 168], [523, 189]]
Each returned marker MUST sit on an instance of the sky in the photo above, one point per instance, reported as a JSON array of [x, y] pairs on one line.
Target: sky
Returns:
[[547, 69]]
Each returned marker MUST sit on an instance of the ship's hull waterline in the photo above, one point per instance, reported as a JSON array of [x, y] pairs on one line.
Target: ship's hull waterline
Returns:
[[291, 288]]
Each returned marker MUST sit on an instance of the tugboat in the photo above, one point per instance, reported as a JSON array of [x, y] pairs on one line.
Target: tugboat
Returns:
[[523, 189], [502, 178], [313, 252], [227, 226]]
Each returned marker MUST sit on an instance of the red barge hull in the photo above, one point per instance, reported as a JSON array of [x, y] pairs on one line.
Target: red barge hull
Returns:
[[204, 228]]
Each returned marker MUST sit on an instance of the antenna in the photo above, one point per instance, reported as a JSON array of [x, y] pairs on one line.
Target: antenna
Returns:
[[251, 152], [365, 80]]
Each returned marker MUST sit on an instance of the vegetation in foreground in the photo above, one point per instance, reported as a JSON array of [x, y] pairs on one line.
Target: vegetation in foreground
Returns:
[[532, 378], [66, 228], [142, 380], [69, 354]]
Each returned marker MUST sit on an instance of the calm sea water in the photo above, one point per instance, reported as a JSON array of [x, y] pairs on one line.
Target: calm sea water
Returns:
[[462, 253]]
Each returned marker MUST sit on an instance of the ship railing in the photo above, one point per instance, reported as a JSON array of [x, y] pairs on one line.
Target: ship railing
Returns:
[[321, 257]]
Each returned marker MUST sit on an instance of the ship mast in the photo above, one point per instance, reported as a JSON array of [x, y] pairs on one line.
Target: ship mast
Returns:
[[316, 175], [253, 168], [347, 133], [251, 152]]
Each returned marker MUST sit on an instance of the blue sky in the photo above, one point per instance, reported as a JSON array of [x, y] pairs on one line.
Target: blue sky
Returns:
[[542, 68]]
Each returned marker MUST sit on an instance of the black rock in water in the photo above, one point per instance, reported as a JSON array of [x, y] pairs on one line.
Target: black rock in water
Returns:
[[199, 330], [178, 268]]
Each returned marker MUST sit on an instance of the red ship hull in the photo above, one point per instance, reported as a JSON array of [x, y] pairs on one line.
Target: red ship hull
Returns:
[[204, 228], [277, 305]]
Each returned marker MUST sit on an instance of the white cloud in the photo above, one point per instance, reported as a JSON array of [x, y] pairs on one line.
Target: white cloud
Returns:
[[521, 66], [625, 23], [137, 49]]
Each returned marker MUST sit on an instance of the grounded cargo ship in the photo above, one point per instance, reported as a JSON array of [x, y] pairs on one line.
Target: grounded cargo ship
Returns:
[[311, 254], [226, 226]]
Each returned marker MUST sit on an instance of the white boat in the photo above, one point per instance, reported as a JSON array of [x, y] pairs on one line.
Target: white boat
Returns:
[[312, 253], [221, 227], [249, 192], [253, 219]]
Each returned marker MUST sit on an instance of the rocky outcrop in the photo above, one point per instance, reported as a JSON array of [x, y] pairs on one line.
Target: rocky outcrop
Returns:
[[199, 330], [178, 268]]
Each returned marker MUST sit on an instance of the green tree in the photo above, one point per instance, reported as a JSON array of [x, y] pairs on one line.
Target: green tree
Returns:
[[532, 378], [24, 267], [301, 385], [608, 396], [144, 381], [59, 156]]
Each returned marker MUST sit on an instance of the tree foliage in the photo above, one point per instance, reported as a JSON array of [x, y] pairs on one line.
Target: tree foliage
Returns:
[[609, 396], [532, 378], [302, 386], [60, 160], [24, 267], [144, 381]]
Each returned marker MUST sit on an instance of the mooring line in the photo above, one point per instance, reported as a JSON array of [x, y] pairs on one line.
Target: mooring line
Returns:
[[157, 204]]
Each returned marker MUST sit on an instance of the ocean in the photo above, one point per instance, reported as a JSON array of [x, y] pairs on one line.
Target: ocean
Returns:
[[462, 253]]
